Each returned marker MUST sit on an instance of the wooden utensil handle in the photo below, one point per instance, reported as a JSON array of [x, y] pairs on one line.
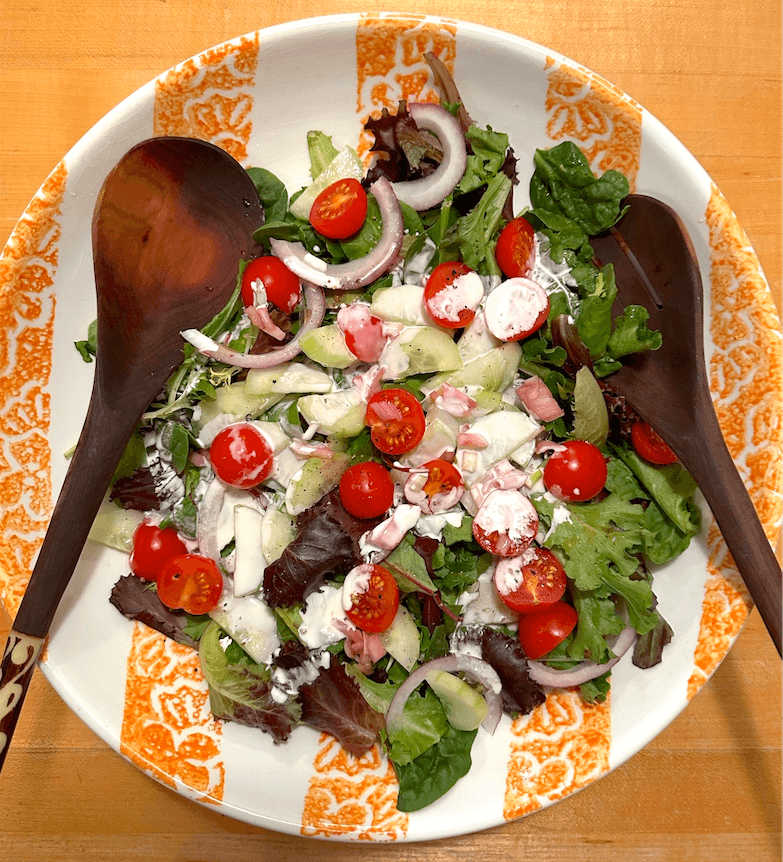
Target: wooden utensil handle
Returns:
[[16, 671], [713, 468]]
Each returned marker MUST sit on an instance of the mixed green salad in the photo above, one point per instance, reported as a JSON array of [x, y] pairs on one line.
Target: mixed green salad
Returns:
[[390, 493]]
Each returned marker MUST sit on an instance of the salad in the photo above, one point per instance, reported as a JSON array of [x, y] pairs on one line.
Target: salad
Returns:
[[390, 493]]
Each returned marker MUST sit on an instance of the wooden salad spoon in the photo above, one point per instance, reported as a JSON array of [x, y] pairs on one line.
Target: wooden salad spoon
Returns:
[[171, 222], [656, 267]]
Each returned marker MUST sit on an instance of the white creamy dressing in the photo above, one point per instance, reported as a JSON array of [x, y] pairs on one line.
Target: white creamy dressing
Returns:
[[322, 609]]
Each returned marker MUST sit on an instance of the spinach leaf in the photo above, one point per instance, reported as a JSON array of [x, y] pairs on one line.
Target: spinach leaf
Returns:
[[273, 194], [564, 183], [436, 771]]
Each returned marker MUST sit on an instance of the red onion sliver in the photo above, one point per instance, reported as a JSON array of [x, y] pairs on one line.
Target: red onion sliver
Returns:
[[315, 306], [425, 193], [355, 273], [587, 670], [478, 670]]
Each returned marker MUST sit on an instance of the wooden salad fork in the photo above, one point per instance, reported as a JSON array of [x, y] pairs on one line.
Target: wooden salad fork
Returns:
[[656, 267]]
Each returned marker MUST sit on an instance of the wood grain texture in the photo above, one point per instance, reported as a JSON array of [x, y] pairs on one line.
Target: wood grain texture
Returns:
[[708, 789]]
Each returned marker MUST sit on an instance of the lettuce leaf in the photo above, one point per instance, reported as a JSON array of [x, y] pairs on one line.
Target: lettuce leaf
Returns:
[[242, 691]]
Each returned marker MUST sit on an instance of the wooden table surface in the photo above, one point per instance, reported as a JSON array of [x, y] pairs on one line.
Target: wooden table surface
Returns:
[[709, 787]]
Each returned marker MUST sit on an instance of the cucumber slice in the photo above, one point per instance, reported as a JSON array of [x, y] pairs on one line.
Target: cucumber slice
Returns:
[[336, 413], [429, 350], [316, 477], [234, 399], [511, 434], [401, 304], [287, 379], [465, 708], [345, 164], [250, 622], [326, 345], [494, 370], [402, 639], [277, 532], [114, 527]]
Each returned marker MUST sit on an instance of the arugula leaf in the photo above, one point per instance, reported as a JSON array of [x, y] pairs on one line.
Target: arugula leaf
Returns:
[[475, 230], [436, 771]]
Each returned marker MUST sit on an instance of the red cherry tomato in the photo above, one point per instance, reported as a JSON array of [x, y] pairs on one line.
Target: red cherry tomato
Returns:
[[442, 478], [241, 455], [516, 248], [366, 489], [541, 632], [449, 304], [340, 209], [650, 445], [506, 523], [530, 582], [577, 472], [283, 288], [396, 421], [190, 582], [375, 597], [152, 548]]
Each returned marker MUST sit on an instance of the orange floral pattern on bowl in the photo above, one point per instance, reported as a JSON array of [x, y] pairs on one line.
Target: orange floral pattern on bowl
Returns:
[[210, 97], [27, 307], [167, 728], [747, 386], [559, 747], [354, 796], [604, 121]]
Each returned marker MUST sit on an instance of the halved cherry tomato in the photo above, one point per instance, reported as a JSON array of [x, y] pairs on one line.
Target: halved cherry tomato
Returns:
[[340, 209], [449, 302], [541, 632], [152, 548], [396, 421], [366, 489], [650, 445], [190, 582], [506, 523], [516, 248], [241, 455], [282, 286], [374, 596], [577, 472], [442, 478], [530, 582]]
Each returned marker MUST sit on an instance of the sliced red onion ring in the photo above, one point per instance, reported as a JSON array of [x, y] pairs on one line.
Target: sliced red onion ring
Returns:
[[478, 670], [587, 670], [425, 193], [315, 306], [355, 273]]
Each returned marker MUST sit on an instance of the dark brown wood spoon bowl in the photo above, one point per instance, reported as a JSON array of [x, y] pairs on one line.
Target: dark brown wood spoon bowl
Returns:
[[656, 267], [171, 222]]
